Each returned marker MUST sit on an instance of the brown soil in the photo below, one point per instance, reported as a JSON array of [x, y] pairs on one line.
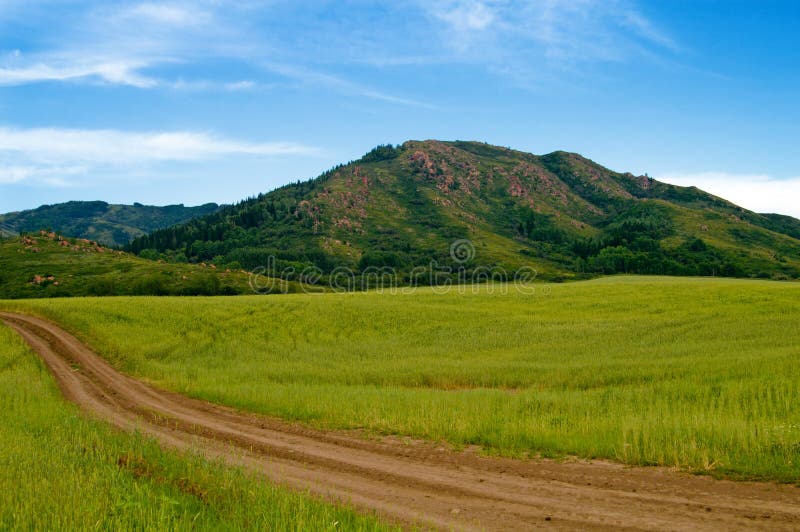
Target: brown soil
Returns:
[[413, 483]]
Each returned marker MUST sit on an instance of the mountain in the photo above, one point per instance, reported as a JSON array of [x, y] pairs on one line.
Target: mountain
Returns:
[[113, 225], [562, 214]]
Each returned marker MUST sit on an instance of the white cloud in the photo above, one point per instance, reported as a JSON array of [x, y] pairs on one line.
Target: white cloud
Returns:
[[52, 155], [122, 72], [117, 72], [170, 14], [54, 176], [464, 15], [113, 146], [240, 85], [15, 174], [759, 193], [207, 85]]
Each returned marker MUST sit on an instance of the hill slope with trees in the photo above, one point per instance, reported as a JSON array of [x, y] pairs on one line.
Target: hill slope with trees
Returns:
[[112, 225], [44, 264], [566, 216]]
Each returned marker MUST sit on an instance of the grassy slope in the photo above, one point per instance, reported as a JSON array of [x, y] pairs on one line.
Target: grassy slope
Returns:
[[757, 247], [82, 268], [62, 471], [696, 373]]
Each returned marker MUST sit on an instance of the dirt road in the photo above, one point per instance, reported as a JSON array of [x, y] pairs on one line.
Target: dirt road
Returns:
[[412, 482]]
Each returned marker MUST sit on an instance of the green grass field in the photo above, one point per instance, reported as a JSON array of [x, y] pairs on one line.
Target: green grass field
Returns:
[[62, 471], [702, 374]]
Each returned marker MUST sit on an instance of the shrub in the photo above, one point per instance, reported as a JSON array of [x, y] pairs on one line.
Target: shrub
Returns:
[[150, 285], [206, 284], [101, 286]]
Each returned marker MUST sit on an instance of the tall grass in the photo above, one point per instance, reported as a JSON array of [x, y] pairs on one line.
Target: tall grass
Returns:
[[702, 374], [62, 471]]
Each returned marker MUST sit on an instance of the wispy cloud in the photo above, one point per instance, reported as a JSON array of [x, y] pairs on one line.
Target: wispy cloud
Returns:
[[53, 155], [116, 71], [118, 44], [535, 39], [244, 85], [139, 39], [758, 192], [312, 77], [646, 29], [145, 43], [168, 14], [464, 16], [53, 175], [113, 146]]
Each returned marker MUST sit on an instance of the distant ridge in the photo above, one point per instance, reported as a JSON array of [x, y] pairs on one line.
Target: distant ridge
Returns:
[[111, 225]]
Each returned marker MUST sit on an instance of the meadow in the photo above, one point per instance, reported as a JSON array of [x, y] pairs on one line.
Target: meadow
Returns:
[[696, 373], [60, 470]]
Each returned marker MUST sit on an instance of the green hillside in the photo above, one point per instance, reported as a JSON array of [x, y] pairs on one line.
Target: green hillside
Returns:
[[6, 232], [47, 265], [112, 225], [562, 214]]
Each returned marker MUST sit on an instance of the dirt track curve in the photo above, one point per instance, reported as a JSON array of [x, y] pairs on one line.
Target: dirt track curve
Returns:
[[412, 483]]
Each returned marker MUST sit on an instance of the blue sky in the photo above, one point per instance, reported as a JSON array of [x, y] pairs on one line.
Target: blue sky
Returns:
[[207, 100]]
